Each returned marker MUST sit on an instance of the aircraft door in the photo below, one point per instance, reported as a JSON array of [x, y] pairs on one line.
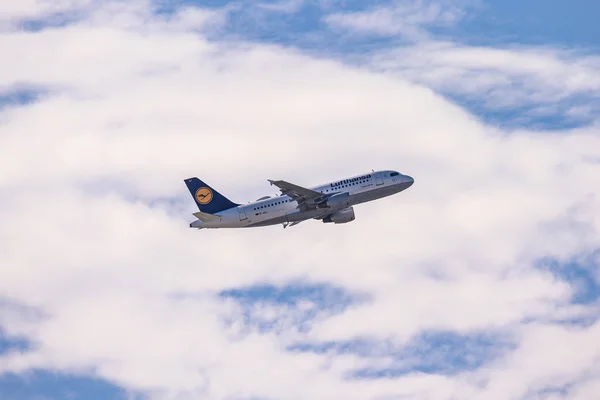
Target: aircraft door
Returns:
[[242, 213], [378, 179]]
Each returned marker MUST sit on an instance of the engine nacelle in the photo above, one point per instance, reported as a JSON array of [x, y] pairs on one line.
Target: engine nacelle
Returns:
[[340, 200], [340, 217]]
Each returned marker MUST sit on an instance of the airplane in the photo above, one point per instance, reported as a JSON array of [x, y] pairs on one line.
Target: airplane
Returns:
[[331, 202]]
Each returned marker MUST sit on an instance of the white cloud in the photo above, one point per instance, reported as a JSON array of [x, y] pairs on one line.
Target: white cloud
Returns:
[[406, 18], [287, 6], [138, 103], [549, 81], [548, 357], [501, 78], [34, 9]]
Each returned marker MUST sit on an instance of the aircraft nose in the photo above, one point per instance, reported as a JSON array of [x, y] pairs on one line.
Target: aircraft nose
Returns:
[[409, 180]]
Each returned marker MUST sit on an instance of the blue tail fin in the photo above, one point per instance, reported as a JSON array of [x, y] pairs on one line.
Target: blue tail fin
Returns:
[[208, 199]]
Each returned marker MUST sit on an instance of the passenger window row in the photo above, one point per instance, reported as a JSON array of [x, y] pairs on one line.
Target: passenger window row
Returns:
[[272, 204]]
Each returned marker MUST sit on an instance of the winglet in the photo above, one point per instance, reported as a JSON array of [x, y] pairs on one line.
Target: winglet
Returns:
[[271, 181]]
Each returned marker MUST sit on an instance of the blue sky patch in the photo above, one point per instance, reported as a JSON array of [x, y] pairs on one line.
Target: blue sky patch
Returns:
[[41, 384], [271, 308], [57, 20], [492, 23], [11, 343], [19, 96], [533, 22], [324, 295], [434, 352], [556, 391], [581, 273], [554, 116]]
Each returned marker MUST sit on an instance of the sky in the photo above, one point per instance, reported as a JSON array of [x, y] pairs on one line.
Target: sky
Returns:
[[482, 281]]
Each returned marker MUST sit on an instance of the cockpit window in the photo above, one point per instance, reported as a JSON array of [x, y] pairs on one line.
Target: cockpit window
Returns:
[[394, 173]]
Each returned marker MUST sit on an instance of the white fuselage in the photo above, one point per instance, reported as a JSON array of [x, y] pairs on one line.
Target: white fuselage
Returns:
[[282, 209]]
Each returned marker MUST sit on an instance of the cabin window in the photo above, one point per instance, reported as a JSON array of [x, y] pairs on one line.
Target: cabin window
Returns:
[[394, 174]]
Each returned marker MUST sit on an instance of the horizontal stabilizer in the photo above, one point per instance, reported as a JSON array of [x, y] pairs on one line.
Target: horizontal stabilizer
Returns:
[[206, 217]]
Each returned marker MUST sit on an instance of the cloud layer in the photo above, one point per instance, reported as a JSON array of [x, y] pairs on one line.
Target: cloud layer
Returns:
[[103, 117], [511, 84]]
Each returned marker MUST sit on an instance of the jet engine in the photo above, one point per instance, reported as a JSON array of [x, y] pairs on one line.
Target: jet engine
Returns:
[[340, 217], [339, 200]]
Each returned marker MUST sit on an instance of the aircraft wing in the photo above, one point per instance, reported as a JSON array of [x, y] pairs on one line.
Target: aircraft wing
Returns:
[[306, 198]]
